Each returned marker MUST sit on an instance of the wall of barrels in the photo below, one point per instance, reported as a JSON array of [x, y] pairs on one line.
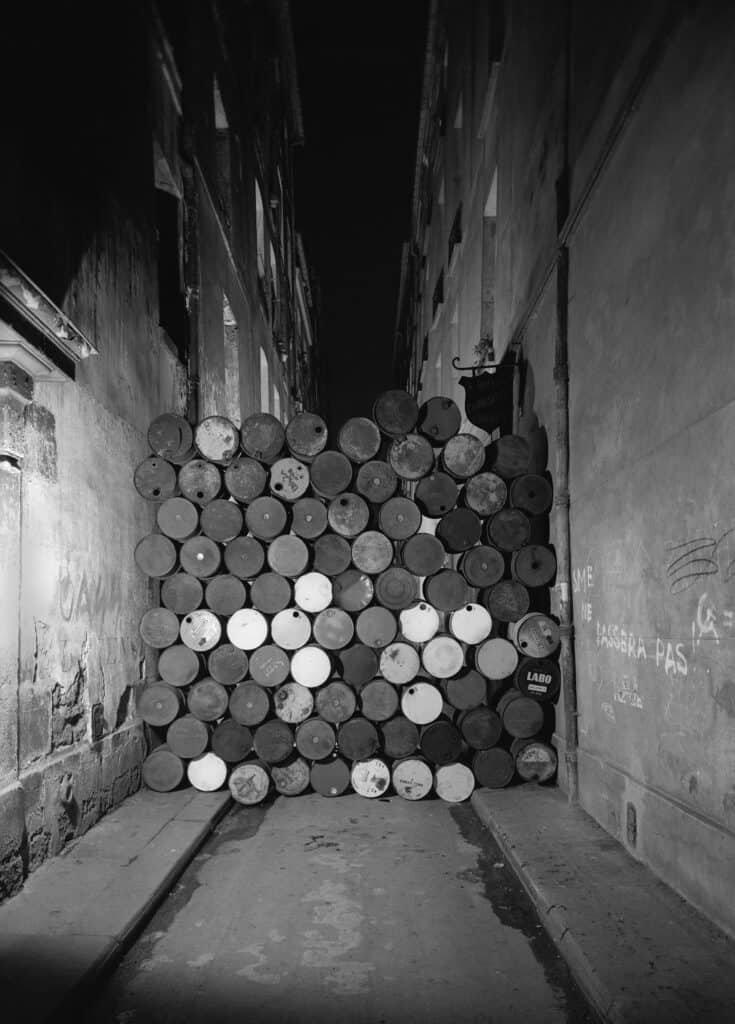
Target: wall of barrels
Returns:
[[368, 617]]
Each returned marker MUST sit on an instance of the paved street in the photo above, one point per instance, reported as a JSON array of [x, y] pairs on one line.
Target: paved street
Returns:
[[349, 910]]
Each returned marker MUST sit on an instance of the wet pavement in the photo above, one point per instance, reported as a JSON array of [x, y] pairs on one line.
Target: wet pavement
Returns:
[[317, 910]]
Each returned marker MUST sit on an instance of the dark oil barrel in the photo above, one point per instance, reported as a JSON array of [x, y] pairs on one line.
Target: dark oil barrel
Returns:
[[459, 530], [395, 413], [227, 664], [507, 601], [207, 700], [481, 727], [376, 627], [273, 741], [244, 557], [485, 494], [245, 480], [155, 479], [225, 594], [269, 665], [439, 419], [396, 588], [292, 777], [315, 739], [509, 529], [441, 742], [308, 518], [378, 700], [179, 665], [372, 552], [399, 736], [171, 437], [494, 768], [538, 678], [306, 435], [217, 439], [536, 762], [159, 703], [155, 555], [436, 494], [188, 736], [336, 702], [423, 554], [178, 518], [330, 777], [359, 439], [482, 566], [266, 518], [333, 629], [249, 704], [181, 593], [200, 557], [399, 518], [162, 770], [200, 481], [159, 627], [411, 457], [532, 493], [376, 482], [232, 741], [446, 590], [359, 664], [357, 738], [465, 691], [352, 590], [288, 555], [534, 565], [348, 514], [332, 554], [509, 456], [262, 437], [522, 716], [331, 474], [463, 456]]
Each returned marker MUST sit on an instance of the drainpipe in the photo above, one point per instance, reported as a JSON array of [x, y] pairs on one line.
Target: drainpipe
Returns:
[[561, 476]]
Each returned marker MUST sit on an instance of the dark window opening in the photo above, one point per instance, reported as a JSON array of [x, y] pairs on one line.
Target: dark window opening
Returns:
[[438, 297], [455, 235]]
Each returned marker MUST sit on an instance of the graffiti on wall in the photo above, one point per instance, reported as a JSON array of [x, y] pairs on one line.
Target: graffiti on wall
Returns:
[[88, 597], [693, 560]]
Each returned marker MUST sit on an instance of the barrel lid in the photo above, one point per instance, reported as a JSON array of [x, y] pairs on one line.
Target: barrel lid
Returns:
[[266, 518], [439, 419], [244, 557], [155, 479], [178, 665], [399, 663], [311, 666], [306, 435], [482, 566], [509, 456], [333, 629], [507, 601], [399, 518], [289, 479], [332, 554], [288, 555], [245, 479], [411, 457], [336, 702], [454, 782], [534, 565], [471, 623], [292, 777], [496, 658], [331, 777], [353, 590], [421, 703], [441, 742], [359, 664], [493, 767], [227, 664], [412, 778], [442, 657], [436, 494], [370, 778], [523, 717], [376, 481], [217, 439], [376, 626], [313, 592], [159, 627], [308, 518], [291, 629], [481, 727], [269, 665], [396, 588], [532, 493], [538, 678], [247, 629], [162, 770], [262, 437], [348, 514], [400, 736], [359, 439], [395, 412], [225, 594], [463, 456], [155, 555], [207, 700], [273, 741], [159, 703], [509, 529], [485, 493], [535, 635], [293, 702], [232, 741], [378, 700], [200, 556], [207, 772], [178, 518], [187, 736], [372, 551], [331, 473], [459, 529], [270, 593], [249, 783], [536, 762], [467, 690], [170, 435], [201, 630], [315, 739], [423, 554], [420, 622], [200, 481], [249, 704], [447, 590]]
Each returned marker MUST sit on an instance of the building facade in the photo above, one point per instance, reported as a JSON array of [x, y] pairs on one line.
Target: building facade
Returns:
[[150, 263], [573, 218]]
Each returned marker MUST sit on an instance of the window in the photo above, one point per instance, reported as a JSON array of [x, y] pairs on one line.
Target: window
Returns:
[[171, 304], [264, 383], [231, 338], [259, 230], [223, 158], [437, 298], [455, 235]]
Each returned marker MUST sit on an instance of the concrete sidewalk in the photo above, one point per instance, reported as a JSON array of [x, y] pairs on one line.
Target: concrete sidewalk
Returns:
[[640, 953], [77, 912]]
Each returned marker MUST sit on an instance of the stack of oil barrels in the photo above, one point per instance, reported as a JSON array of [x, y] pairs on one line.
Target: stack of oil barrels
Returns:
[[364, 616]]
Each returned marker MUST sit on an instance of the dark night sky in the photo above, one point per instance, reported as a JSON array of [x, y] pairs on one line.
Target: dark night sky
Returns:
[[360, 69]]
